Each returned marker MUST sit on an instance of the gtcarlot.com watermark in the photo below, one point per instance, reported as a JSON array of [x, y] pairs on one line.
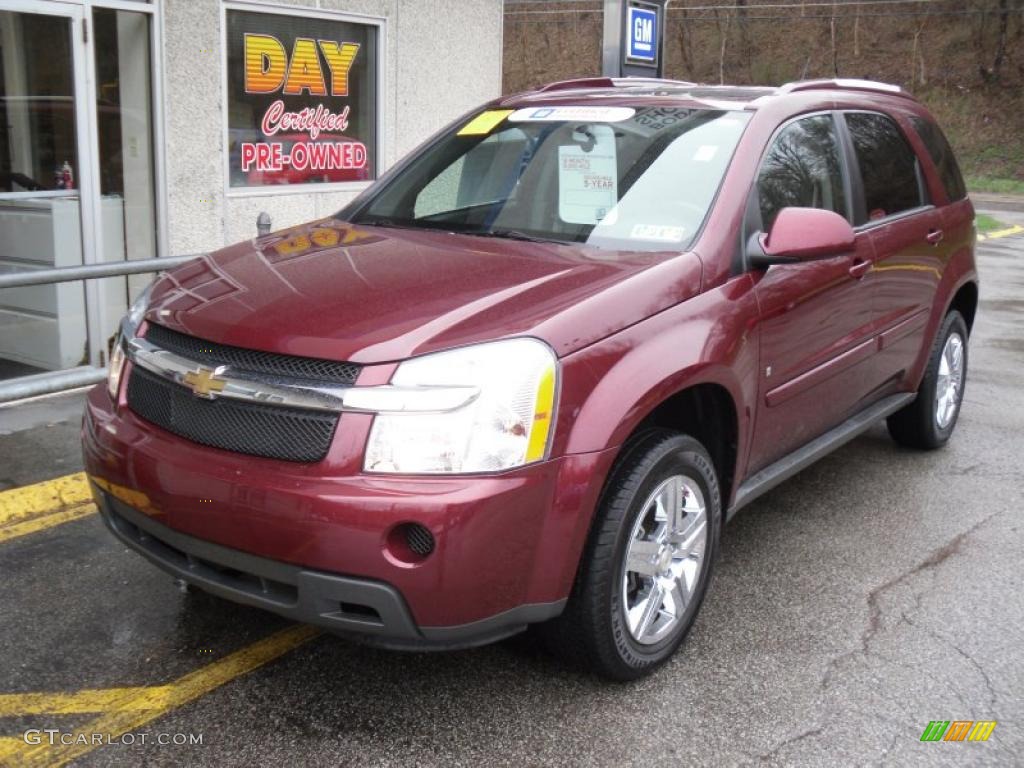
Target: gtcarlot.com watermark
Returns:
[[56, 737]]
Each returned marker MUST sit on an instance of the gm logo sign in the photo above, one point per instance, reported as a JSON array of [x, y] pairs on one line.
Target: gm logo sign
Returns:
[[642, 34]]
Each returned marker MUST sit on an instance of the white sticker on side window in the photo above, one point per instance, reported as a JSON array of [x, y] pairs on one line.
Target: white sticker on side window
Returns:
[[587, 175]]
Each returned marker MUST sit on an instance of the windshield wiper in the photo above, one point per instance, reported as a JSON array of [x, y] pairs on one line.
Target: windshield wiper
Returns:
[[510, 234], [386, 223]]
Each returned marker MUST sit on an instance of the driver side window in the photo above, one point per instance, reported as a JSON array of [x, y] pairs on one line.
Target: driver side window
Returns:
[[803, 169]]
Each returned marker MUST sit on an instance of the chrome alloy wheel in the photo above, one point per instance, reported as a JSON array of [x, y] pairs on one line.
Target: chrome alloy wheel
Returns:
[[951, 380], [664, 559]]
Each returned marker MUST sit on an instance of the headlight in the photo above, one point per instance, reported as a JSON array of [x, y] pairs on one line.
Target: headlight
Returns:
[[129, 326], [131, 322], [507, 425], [115, 367]]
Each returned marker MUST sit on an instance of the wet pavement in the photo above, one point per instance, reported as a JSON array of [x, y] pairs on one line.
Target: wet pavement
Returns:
[[876, 591]]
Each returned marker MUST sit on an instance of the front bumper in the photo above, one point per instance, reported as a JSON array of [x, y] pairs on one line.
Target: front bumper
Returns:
[[363, 608], [309, 541]]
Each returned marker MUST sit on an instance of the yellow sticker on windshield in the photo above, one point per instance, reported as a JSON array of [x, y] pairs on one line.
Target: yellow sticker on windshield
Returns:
[[484, 122]]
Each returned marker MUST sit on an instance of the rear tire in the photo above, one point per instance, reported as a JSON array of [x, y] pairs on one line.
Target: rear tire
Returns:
[[928, 422], [644, 571]]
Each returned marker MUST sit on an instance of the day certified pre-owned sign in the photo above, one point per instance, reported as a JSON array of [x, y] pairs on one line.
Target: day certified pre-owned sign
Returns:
[[302, 100]]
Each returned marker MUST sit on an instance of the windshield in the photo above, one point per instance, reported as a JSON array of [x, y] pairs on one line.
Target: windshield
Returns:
[[611, 177]]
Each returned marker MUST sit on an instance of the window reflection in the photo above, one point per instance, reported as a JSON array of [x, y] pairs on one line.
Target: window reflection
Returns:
[[802, 169], [37, 109], [125, 131], [888, 166], [632, 182], [942, 155], [42, 327]]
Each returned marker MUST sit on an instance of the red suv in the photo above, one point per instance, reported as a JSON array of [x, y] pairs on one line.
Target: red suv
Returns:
[[527, 376]]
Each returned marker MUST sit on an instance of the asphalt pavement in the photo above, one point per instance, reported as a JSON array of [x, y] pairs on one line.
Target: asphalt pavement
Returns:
[[877, 591]]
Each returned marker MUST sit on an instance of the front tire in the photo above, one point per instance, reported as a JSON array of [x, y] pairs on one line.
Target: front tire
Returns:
[[928, 422], [647, 562]]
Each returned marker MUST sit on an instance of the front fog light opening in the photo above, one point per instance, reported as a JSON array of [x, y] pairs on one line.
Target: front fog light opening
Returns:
[[419, 539], [409, 543]]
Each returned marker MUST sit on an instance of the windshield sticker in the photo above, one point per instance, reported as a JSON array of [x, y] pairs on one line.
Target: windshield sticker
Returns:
[[587, 175], [661, 233], [484, 123], [654, 119], [705, 153], [558, 114]]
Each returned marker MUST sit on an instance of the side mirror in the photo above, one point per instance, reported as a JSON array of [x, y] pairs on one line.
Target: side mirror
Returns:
[[801, 234]]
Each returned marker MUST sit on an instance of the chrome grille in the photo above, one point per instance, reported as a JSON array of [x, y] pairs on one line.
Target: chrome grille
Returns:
[[275, 432], [253, 360]]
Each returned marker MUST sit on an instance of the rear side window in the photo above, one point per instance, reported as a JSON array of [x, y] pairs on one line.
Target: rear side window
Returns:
[[888, 165], [942, 155], [802, 168]]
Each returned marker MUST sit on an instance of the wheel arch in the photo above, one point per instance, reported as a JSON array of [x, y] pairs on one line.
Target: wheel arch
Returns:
[[696, 402], [693, 369], [707, 412], [965, 301], [706, 409]]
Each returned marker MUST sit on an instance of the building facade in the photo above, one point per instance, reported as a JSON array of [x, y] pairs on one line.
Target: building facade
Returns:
[[133, 130]]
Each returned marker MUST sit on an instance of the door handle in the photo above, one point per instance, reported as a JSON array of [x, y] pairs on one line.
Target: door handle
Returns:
[[934, 236], [860, 268]]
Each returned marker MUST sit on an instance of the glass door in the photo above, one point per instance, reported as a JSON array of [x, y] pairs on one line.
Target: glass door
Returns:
[[44, 217], [123, 104], [77, 173]]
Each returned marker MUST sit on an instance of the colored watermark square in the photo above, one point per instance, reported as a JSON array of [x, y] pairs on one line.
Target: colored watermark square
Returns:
[[958, 730]]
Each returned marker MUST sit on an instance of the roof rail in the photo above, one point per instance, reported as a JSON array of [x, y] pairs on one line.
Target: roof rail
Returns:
[[609, 82], [631, 80], [845, 84], [579, 82]]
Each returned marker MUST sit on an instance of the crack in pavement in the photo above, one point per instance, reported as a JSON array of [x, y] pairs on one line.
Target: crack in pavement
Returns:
[[989, 687], [874, 624], [978, 472], [810, 733], [875, 612]]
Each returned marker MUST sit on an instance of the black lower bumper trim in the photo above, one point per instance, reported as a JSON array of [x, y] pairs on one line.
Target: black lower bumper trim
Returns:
[[367, 610]]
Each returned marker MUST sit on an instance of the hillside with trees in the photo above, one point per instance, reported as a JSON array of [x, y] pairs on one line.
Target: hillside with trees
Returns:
[[963, 58]]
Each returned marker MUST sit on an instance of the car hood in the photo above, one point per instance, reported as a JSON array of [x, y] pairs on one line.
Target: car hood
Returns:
[[370, 295]]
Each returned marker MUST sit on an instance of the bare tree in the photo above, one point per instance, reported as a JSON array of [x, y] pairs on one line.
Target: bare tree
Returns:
[[723, 35], [684, 45], [745, 46], [856, 32], [917, 54], [991, 74], [832, 37], [1004, 20]]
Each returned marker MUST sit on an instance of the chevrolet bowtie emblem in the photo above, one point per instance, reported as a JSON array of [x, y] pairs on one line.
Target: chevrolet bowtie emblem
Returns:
[[205, 382]]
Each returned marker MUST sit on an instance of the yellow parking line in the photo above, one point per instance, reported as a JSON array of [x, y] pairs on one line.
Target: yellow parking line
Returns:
[[128, 709], [9, 746], [43, 505], [49, 496], [42, 522], [1016, 229], [87, 701]]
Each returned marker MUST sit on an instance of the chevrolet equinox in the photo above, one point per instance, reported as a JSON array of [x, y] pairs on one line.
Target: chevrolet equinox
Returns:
[[527, 376]]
